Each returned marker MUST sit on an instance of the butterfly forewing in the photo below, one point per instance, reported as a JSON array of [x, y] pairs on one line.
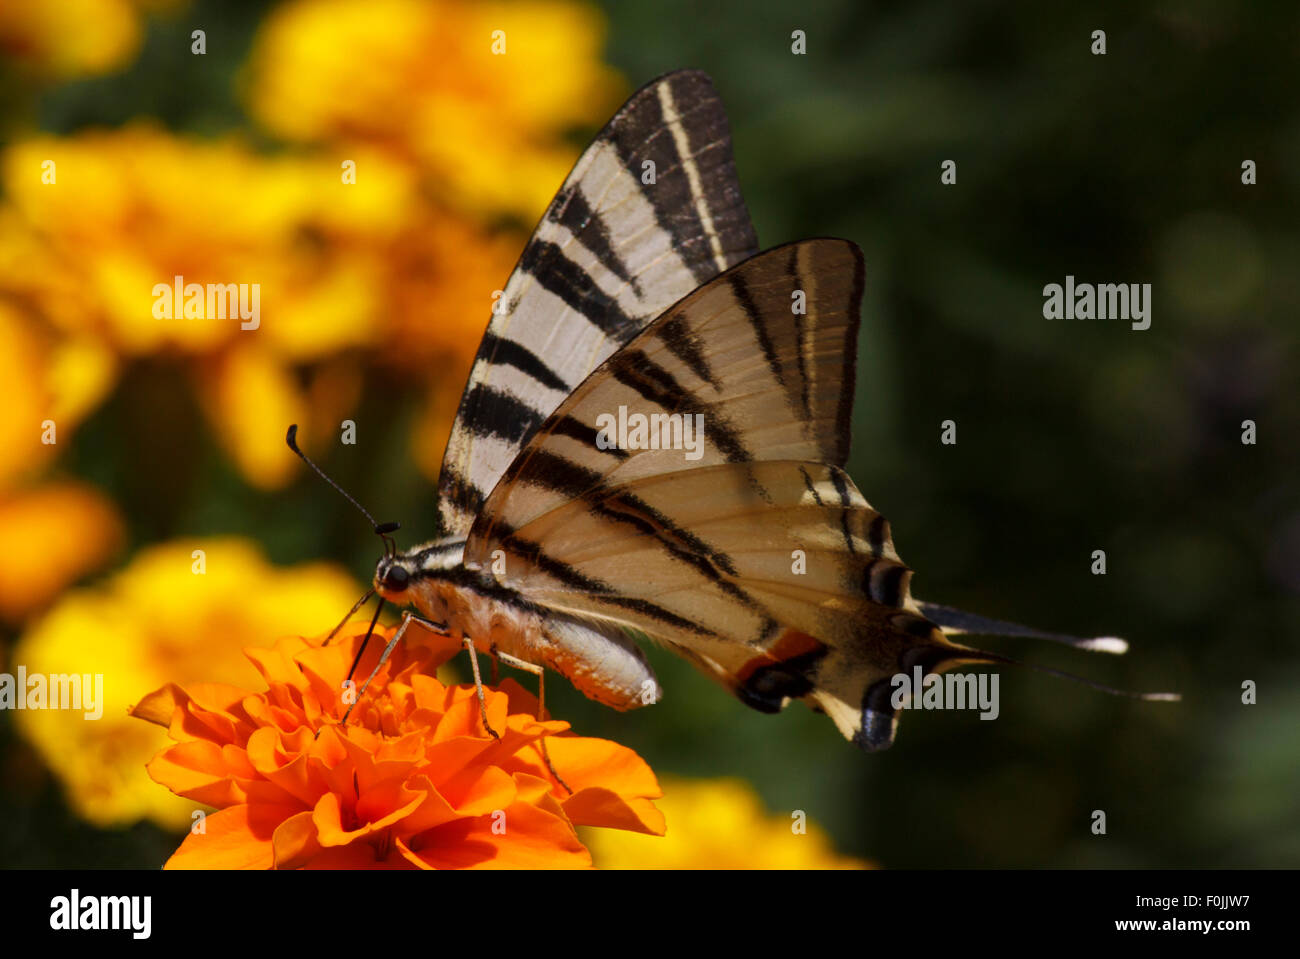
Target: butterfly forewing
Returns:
[[651, 210]]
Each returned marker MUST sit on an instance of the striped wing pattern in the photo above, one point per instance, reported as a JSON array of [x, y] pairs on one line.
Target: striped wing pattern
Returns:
[[651, 210], [758, 560]]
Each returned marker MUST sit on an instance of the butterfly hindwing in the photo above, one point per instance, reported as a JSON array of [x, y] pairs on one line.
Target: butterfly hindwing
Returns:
[[651, 210]]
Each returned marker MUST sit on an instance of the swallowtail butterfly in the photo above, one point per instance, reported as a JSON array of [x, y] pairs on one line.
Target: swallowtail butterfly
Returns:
[[641, 307]]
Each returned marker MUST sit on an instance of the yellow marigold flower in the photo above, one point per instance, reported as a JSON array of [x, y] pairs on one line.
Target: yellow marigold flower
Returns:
[[719, 824], [412, 781], [47, 380], [337, 266], [478, 92], [155, 621], [130, 210], [51, 536], [70, 38], [249, 397]]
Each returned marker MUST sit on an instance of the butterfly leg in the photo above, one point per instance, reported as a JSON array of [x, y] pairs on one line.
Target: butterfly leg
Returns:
[[407, 618], [540, 673], [478, 687], [344, 621]]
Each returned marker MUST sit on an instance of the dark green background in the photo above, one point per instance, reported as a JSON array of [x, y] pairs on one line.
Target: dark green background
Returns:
[[1072, 436]]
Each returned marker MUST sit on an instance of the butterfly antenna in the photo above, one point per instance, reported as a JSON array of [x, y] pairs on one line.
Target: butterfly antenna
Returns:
[[381, 529]]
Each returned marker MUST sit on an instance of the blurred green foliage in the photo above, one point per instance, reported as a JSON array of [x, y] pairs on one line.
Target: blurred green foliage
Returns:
[[1072, 436]]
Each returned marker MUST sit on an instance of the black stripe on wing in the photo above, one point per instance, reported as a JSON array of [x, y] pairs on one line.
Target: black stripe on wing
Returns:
[[684, 345], [572, 211], [501, 352], [546, 263], [564, 573], [703, 126], [635, 370], [740, 290], [502, 414]]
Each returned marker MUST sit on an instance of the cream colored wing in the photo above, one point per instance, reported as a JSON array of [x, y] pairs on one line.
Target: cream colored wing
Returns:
[[750, 551]]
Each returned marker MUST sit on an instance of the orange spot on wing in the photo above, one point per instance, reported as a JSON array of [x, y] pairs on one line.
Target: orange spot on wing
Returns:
[[791, 644]]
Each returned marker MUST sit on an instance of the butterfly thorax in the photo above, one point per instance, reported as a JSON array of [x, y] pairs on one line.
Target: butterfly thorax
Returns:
[[468, 602], [433, 579]]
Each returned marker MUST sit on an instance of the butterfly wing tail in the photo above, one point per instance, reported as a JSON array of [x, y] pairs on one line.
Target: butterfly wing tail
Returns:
[[957, 622]]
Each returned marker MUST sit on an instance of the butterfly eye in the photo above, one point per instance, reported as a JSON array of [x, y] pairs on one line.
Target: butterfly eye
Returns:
[[396, 578]]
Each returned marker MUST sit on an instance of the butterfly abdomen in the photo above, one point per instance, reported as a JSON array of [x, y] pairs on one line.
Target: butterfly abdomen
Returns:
[[598, 659]]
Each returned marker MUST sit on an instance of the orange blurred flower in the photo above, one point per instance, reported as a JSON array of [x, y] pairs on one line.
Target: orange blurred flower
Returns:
[[412, 781]]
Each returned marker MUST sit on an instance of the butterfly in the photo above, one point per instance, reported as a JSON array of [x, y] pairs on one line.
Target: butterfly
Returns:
[[642, 308]]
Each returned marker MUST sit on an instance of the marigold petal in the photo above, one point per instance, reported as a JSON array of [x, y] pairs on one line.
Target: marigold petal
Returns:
[[236, 761], [595, 806], [368, 766], [480, 789], [411, 856], [236, 838], [520, 699], [464, 716], [441, 648], [294, 841], [196, 770], [387, 799], [214, 710], [430, 695], [297, 773], [602, 763], [261, 792], [277, 664], [447, 758], [330, 828], [160, 705], [525, 837], [433, 810]]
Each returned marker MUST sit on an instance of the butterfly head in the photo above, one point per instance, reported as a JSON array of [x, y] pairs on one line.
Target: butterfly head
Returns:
[[392, 578], [397, 575]]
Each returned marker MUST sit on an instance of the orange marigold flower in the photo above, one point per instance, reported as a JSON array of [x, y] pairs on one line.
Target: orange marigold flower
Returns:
[[412, 781]]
